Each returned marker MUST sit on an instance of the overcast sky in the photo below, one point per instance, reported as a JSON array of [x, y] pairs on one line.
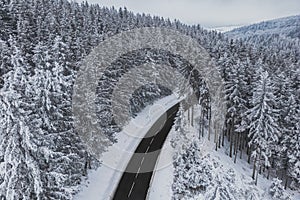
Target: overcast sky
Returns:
[[211, 13]]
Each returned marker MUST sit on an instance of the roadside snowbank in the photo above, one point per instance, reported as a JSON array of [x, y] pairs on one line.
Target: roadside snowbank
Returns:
[[240, 187], [162, 179], [101, 183]]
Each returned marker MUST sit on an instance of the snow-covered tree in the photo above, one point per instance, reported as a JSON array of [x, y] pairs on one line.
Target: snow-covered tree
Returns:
[[264, 130], [193, 173], [17, 163], [288, 158], [179, 139], [236, 104], [277, 190], [41, 46]]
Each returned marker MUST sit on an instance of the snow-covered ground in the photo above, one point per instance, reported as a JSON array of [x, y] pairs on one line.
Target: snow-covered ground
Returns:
[[242, 171], [101, 183], [162, 179], [161, 188]]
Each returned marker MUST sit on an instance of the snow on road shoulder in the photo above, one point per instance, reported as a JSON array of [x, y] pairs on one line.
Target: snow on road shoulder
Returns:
[[227, 175], [101, 183], [162, 179]]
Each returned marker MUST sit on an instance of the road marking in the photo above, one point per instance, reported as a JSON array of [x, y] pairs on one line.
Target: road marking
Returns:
[[131, 189], [142, 160], [170, 116], [151, 140], [148, 149], [162, 126], [136, 175]]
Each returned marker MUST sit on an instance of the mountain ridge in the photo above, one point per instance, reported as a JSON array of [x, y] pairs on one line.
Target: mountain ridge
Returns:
[[286, 26]]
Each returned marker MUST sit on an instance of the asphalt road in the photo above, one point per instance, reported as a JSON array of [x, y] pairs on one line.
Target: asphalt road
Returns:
[[135, 181]]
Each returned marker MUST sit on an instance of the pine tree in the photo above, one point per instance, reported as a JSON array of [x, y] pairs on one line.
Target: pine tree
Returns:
[[179, 139], [41, 46], [277, 191], [291, 141], [263, 128], [235, 94], [17, 163], [193, 173]]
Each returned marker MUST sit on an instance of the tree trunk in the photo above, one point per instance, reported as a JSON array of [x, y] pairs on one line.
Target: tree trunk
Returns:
[[256, 179], [236, 149], [223, 137], [209, 128], [209, 123], [241, 154], [242, 145], [228, 131], [199, 131], [282, 174], [259, 171], [189, 120], [192, 116], [231, 140], [202, 124], [273, 163], [249, 154], [286, 182], [216, 133], [234, 144], [254, 168], [259, 158]]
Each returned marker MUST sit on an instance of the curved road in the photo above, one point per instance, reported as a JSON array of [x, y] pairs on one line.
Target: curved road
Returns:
[[135, 180]]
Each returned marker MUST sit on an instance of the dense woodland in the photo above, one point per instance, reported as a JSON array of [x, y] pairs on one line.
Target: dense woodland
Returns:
[[261, 73], [42, 44]]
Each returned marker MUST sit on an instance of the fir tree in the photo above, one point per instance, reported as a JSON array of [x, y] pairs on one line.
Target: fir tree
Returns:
[[263, 128]]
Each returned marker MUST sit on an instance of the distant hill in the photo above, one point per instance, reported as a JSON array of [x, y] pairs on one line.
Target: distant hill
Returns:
[[286, 27], [224, 29]]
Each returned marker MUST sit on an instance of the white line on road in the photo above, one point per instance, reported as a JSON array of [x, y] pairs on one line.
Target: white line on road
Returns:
[[139, 169], [151, 140], [171, 115], [131, 189], [148, 149], [142, 160], [136, 175], [161, 127]]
